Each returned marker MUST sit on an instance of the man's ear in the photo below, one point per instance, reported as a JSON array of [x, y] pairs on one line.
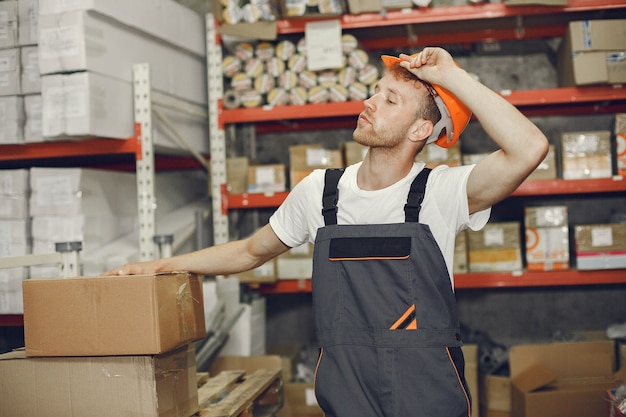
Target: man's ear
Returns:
[[421, 130]]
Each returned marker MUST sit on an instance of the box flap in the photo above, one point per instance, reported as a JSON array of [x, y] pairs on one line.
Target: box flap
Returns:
[[533, 378], [565, 359]]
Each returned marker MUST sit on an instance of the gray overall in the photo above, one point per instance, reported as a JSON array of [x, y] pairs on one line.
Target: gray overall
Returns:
[[385, 317]]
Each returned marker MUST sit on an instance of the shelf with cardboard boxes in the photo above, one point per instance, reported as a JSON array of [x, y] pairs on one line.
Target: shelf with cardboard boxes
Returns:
[[90, 142], [580, 92]]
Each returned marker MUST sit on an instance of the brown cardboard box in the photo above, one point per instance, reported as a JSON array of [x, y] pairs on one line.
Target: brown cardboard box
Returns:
[[495, 393], [148, 386], [586, 154], [264, 273], [300, 400], [547, 238], [303, 159], [547, 168], [590, 52], [353, 152], [266, 178], [433, 156], [620, 142], [296, 263], [562, 379], [237, 175], [263, 30], [470, 353], [497, 247], [600, 246], [459, 264], [138, 315]]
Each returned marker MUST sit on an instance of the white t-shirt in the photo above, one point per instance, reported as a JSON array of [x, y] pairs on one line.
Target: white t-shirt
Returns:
[[444, 207]]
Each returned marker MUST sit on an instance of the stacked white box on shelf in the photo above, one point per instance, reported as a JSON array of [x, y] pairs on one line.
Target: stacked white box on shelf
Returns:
[[11, 119], [32, 118], [14, 236], [30, 80], [27, 17], [74, 204], [95, 44], [8, 22], [97, 207], [10, 71]]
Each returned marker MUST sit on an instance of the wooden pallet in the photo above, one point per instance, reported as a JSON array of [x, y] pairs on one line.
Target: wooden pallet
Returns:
[[233, 393]]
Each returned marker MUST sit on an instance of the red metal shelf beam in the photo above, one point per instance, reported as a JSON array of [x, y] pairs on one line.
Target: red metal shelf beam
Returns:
[[11, 320], [487, 280], [528, 188], [446, 14]]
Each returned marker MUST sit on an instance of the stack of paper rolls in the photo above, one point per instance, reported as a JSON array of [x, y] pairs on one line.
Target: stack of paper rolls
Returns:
[[276, 74]]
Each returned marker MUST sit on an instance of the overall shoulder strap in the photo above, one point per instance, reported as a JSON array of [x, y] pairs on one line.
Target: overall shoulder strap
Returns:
[[416, 196], [331, 195]]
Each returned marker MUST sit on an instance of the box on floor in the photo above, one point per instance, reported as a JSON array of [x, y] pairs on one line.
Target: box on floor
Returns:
[[151, 386], [563, 378], [94, 316]]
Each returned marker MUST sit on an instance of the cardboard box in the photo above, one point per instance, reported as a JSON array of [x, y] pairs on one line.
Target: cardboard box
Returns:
[[547, 169], [138, 315], [8, 23], [363, 6], [460, 254], [10, 72], [262, 30], [300, 401], [353, 152], [27, 17], [562, 379], [11, 119], [237, 175], [433, 156], [597, 35], [600, 246], [90, 104], [266, 178], [495, 394], [497, 247], [547, 238], [33, 118], [262, 274], [167, 20], [68, 41], [149, 386], [470, 353], [30, 82], [593, 51], [586, 154], [296, 263], [620, 142], [303, 159]]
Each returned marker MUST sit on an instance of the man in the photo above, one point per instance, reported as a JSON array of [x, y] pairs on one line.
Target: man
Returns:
[[384, 233]]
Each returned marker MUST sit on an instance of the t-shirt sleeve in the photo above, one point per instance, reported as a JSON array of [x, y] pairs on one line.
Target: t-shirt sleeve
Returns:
[[290, 220], [452, 198]]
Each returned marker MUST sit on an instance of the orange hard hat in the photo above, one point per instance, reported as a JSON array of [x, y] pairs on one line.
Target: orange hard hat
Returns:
[[454, 114]]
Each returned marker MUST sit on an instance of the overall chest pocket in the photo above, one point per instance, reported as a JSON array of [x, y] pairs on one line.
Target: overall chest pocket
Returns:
[[374, 280]]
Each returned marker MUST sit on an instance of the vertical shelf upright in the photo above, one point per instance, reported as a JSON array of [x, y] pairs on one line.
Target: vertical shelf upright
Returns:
[[217, 135]]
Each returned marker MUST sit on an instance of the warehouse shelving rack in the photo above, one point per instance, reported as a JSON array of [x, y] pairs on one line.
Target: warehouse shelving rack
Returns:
[[140, 148], [419, 27]]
